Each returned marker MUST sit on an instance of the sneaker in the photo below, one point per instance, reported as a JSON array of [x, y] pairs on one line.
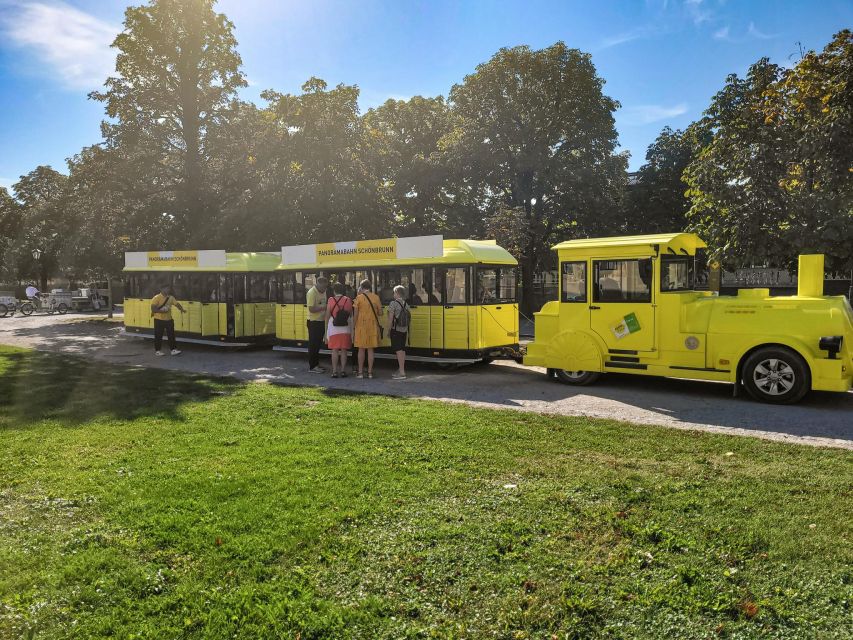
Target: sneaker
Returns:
[[359, 375], [175, 352], [398, 376], [317, 369], [158, 353]]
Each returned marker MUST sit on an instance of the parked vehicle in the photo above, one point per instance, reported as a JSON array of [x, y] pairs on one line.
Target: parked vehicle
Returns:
[[628, 305]]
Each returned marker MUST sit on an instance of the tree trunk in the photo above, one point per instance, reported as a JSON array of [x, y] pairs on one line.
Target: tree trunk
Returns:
[[193, 205]]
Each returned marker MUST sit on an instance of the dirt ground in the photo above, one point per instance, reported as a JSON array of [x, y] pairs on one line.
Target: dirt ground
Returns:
[[822, 419]]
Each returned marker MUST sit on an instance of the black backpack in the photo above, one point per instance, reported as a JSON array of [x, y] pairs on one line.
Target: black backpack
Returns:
[[341, 318], [405, 315]]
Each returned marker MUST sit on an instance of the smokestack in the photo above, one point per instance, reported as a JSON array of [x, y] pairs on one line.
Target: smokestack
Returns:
[[810, 276]]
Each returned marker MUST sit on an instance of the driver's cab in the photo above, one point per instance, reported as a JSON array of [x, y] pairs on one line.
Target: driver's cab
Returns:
[[623, 297]]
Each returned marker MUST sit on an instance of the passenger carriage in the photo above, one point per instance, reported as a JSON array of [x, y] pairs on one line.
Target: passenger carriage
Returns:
[[230, 298], [462, 293]]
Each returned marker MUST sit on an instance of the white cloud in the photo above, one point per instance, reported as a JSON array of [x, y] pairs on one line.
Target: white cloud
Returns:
[[74, 44], [754, 32], [628, 36], [648, 113], [698, 11], [722, 34]]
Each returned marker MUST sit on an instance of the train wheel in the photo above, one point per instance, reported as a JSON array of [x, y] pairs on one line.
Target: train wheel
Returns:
[[3, 310], [579, 378], [27, 308], [776, 375], [62, 308]]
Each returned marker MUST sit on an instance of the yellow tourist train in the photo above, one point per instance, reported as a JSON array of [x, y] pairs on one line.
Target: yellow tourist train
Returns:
[[629, 305], [230, 298], [462, 293]]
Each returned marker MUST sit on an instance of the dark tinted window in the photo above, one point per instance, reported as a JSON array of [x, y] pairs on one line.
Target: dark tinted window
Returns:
[[386, 280], [622, 280], [182, 286], [676, 273], [258, 287], [573, 282]]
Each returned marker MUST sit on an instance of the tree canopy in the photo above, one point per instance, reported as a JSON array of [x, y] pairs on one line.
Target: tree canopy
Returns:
[[524, 149]]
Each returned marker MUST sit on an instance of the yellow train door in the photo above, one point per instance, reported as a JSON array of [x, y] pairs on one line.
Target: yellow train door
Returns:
[[496, 307], [210, 296], [621, 310], [456, 305]]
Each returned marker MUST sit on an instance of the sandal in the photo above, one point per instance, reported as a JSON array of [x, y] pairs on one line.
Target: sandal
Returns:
[[342, 374], [359, 375], [334, 374], [369, 374]]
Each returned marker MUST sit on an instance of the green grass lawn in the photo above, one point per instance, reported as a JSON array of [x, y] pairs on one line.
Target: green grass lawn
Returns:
[[147, 504]]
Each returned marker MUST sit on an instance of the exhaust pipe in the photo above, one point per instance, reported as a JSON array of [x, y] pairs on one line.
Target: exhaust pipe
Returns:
[[810, 276]]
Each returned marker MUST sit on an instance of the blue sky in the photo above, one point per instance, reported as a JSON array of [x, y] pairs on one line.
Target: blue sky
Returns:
[[661, 59]]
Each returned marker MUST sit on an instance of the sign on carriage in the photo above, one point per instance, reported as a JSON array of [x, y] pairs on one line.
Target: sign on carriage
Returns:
[[172, 259], [361, 250]]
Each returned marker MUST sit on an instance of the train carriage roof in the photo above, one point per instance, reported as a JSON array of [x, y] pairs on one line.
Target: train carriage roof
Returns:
[[234, 262], [455, 252], [690, 242]]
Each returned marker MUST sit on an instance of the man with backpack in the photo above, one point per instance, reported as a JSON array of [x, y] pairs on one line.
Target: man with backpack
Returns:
[[399, 317]]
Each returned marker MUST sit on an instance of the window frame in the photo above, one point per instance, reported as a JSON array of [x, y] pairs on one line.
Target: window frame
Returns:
[[596, 279], [688, 260], [585, 265]]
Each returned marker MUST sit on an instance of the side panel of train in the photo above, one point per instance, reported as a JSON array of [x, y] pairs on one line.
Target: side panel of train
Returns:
[[221, 307], [463, 313]]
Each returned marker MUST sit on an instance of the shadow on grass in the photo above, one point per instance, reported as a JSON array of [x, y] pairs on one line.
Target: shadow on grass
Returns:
[[37, 386]]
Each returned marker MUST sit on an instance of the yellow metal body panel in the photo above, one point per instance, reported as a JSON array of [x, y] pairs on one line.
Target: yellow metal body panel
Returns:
[[436, 327], [210, 318], [456, 326], [419, 326], [300, 321], [497, 325], [264, 318], [692, 334]]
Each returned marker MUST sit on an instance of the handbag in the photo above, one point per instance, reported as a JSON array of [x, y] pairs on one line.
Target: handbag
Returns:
[[378, 324]]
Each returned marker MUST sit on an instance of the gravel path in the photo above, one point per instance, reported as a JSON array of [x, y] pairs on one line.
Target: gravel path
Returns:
[[822, 419]]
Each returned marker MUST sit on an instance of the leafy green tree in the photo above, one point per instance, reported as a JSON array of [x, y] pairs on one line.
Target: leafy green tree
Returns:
[[656, 202], [177, 76], [317, 184], [536, 132], [44, 224], [10, 224], [775, 179], [404, 139]]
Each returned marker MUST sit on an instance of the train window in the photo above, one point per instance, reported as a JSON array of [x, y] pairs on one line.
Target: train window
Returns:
[[495, 285], [130, 286], [257, 287], [487, 286], [436, 291], [287, 287], [507, 288], [455, 285], [150, 283], [208, 287], [676, 273], [237, 288], [573, 282], [622, 280], [182, 287], [299, 289], [386, 280], [414, 281]]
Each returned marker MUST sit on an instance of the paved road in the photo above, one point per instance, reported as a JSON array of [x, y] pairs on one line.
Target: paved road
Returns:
[[823, 419]]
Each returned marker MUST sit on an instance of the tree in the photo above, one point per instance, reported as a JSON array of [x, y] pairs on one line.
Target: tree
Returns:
[[177, 76], [537, 133], [44, 224], [656, 202], [404, 138], [317, 185], [775, 180], [10, 224]]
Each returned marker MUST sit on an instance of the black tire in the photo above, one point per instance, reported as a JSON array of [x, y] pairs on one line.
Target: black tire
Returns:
[[27, 308], [776, 375], [3, 310], [448, 366], [577, 378], [62, 308]]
